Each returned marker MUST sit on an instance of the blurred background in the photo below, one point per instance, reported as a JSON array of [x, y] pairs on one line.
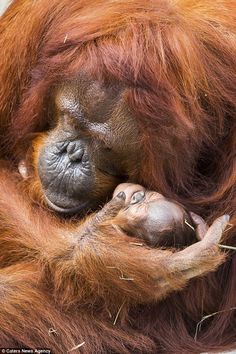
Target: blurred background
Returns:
[[3, 5]]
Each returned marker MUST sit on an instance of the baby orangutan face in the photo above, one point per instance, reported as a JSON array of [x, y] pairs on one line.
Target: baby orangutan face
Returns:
[[154, 218]]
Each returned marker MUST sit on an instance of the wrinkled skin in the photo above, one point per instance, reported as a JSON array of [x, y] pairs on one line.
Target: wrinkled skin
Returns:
[[141, 92], [92, 147], [154, 218]]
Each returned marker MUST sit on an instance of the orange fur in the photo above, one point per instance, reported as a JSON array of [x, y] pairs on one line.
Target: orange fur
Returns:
[[177, 60]]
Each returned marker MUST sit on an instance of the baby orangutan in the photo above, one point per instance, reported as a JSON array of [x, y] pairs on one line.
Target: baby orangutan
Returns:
[[154, 218]]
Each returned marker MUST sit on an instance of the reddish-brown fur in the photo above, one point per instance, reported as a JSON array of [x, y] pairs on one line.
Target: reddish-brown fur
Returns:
[[178, 59]]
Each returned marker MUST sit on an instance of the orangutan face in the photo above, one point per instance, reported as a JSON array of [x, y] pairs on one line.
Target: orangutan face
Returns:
[[92, 147]]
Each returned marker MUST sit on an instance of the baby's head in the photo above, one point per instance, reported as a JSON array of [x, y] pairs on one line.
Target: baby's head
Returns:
[[154, 218], [169, 224]]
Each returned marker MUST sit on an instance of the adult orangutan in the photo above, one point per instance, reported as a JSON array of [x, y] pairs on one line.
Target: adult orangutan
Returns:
[[94, 94]]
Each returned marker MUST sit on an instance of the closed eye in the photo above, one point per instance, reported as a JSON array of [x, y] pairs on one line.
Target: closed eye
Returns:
[[101, 132]]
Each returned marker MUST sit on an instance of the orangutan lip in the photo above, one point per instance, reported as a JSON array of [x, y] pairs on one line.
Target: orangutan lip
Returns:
[[75, 210]]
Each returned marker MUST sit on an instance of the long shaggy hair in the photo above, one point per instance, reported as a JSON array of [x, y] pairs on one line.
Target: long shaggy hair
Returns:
[[177, 60]]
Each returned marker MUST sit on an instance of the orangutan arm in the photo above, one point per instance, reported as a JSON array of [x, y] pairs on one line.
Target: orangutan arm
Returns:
[[96, 259]]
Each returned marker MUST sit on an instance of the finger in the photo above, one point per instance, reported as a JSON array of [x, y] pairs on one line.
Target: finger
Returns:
[[23, 170], [130, 189], [111, 209], [216, 230], [137, 197], [203, 250], [201, 225]]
